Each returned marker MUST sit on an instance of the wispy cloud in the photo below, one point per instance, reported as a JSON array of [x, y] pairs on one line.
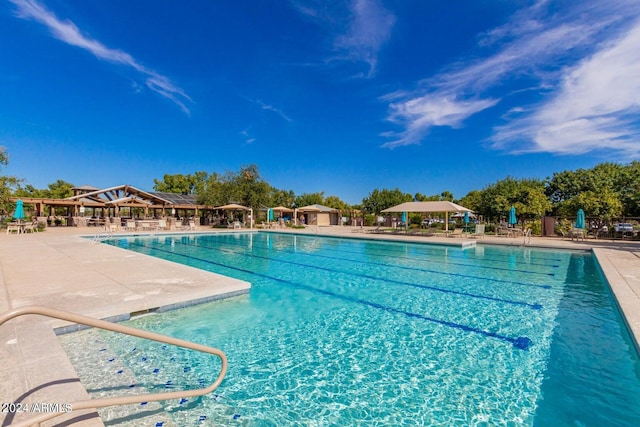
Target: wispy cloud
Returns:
[[69, 33], [358, 31], [274, 109], [595, 109], [419, 114], [369, 29], [248, 138], [535, 45]]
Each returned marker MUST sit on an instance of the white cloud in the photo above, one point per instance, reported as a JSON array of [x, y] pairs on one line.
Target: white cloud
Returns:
[[595, 108], [533, 46], [274, 109], [420, 114], [67, 32], [357, 32], [370, 28]]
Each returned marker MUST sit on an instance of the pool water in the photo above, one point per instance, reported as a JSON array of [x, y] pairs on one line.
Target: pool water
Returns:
[[348, 332]]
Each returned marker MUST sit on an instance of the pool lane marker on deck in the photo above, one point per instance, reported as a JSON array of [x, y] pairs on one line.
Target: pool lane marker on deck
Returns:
[[535, 306], [522, 343]]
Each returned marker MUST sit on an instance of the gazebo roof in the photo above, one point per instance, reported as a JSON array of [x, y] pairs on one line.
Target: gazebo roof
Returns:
[[437, 206]]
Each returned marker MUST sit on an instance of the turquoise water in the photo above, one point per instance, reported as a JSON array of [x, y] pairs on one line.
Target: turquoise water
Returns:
[[353, 332]]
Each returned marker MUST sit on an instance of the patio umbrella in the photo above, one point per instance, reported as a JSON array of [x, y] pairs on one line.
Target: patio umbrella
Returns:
[[466, 217], [270, 214], [404, 217], [512, 216], [19, 213], [580, 219]]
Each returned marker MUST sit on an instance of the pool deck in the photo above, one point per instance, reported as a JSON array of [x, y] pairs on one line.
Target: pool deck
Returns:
[[61, 269]]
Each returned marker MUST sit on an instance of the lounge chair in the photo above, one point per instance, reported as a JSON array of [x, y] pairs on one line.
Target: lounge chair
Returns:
[[130, 225], [429, 232], [479, 233], [457, 232]]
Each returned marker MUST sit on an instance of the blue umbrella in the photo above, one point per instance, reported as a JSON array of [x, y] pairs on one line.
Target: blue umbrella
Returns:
[[580, 219], [512, 216], [466, 217], [270, 214], [404, 217], [19, 214]]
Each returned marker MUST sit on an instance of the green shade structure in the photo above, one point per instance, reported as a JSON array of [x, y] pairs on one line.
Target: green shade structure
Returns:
[[580, 219], [512, 216], [19, 213]]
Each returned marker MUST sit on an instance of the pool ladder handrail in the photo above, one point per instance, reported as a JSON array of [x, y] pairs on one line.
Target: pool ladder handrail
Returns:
[[127, 330]]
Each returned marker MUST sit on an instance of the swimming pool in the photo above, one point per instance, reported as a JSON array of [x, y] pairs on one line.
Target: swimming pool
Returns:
[[347, 331]]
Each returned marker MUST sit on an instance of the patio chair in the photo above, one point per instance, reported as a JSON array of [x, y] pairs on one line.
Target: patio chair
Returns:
[[457, 232], [429, 232], [577, 234], [130, 225], [192, 225], [479, 233], [14, 228]]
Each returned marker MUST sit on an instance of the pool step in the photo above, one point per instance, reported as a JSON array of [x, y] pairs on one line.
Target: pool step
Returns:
[[103, 374], [468, 245]]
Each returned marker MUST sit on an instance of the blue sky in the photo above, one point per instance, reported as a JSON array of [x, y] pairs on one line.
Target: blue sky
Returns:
[[336, 96]]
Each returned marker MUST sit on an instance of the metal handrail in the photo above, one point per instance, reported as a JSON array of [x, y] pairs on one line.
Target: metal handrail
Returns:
[[102, 324]]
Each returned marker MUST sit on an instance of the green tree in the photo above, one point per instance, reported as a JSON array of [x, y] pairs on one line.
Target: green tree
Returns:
[[182, 184], [526, 195], [280, 198], [246, 187], [212, 192], [307, 199], [336, 203], [603, 206], [59, 190], [473, 200], [8, 184], [628, 186], [566, 185], [29, 191], [419, 197], [378, 200]]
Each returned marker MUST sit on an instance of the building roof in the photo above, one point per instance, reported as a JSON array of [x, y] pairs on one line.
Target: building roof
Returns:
[[178, 198]]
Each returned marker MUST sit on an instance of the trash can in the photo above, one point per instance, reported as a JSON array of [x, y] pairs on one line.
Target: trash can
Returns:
[[548, 226]]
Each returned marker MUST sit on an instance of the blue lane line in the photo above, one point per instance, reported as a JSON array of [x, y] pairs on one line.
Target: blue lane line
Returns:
[[386, 255], [422, 270], [427, 250], [522, 343], [375, 278]]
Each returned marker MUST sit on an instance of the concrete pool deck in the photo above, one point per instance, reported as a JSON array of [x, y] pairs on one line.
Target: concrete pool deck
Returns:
[[61, 269]]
